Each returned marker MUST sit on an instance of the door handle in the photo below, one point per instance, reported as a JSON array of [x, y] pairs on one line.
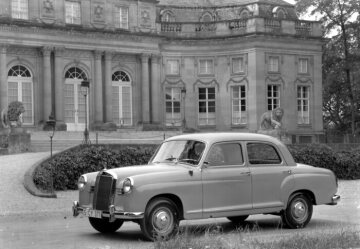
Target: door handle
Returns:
[[289, 172], [245, 173]]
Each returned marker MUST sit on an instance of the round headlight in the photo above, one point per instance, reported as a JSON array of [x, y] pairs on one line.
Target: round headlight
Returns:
[[127, 185], [82, 182]]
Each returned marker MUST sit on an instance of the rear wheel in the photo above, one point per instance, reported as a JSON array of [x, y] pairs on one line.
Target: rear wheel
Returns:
[[104, 225], [238, 219], [161, 220], [298, 211]]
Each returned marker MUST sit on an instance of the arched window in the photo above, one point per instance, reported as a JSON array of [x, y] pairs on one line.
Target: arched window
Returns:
[[244, 14], [75, 73], [279, 13], [207, 17], [120, 76], [167, 16], [20, 88], [121, 99]]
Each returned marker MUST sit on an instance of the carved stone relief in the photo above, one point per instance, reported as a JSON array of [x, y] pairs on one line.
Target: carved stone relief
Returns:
[[48, 9]]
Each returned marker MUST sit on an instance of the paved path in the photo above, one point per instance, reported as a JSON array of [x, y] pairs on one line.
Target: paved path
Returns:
[[14, 197]]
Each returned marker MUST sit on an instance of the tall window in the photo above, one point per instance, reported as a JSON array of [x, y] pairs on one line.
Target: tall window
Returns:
[[238, 65], [206, 66], [121, 99], [303, 102], [173, 106], [20, 88], [172, 67], [273, 66], [303, 66], [121, 16], [20, 9], [273, 97], [238, 107], [207, 106], [72, 12]]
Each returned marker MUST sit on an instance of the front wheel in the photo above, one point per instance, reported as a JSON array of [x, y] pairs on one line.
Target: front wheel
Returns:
[[104, 225], [298, 211], [161, 220]]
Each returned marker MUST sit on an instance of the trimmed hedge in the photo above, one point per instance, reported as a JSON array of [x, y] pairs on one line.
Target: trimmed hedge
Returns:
[[345, 164], [66, 167]]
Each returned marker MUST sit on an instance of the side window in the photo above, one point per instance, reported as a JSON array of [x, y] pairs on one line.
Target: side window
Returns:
[[225, 154], [260, 153]]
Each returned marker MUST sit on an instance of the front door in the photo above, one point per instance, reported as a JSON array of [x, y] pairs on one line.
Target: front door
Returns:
[[74, 104], [226, 181]]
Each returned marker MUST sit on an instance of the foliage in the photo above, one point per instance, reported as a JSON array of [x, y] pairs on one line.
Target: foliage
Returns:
[[15, 109], [243, 238], [341, 60], [345, 165], [67, 167]]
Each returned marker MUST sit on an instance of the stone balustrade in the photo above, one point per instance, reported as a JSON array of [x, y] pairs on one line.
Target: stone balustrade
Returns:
[[241, 26]]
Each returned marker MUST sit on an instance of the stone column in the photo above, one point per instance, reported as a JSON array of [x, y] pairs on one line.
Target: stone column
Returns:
[[3, 79], [155, 89], [108, 87], [59, 84], [47, 103], [98, 91], [145, 88]]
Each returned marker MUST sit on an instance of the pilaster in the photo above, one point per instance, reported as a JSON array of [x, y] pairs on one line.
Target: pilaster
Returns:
[[155, 88], [3, 78], [47, 93], [98, 88], [108, 86], [145, 88], [59, 84]]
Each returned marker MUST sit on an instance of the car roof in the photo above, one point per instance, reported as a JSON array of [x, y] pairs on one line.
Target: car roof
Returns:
[[214, 137]]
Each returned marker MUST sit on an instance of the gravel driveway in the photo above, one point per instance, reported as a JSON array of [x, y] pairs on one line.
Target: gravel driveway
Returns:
[[15, 200]]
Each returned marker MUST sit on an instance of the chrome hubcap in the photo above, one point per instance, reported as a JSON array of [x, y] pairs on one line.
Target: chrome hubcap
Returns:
[[162, 221], [299, 211]]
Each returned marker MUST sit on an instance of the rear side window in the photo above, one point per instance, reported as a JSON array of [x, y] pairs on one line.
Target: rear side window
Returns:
[[261, 153], [225, 154]]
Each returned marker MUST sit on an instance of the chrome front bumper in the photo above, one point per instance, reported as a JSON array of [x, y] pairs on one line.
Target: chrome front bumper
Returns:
[[335, 199], [111, 214]]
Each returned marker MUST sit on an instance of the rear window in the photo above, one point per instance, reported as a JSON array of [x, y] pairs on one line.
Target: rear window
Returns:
[[261, 153]]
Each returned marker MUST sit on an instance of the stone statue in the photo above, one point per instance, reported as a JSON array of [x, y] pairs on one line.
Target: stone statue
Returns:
[[271, 124], [271, 120]]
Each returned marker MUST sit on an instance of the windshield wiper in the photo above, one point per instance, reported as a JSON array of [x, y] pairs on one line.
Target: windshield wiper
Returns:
[[171, 158]]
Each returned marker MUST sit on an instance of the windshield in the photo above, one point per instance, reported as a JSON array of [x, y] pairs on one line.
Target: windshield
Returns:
[[184, 151]]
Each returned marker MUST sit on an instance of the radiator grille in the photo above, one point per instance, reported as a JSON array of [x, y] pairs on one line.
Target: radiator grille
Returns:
[[104, 191]]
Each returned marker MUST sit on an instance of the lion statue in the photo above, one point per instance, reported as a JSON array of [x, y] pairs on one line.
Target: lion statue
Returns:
[[271, 120]]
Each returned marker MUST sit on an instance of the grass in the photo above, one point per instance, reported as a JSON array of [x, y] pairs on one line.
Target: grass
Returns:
[[253, 238]]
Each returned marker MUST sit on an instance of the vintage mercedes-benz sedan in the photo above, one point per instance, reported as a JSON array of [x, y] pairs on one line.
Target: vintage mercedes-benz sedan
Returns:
[[205, 175]]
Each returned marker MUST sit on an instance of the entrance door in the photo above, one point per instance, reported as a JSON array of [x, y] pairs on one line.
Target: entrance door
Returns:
[[74, 104]]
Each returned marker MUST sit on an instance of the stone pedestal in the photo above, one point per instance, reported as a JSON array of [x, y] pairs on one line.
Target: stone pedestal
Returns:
[[19, 141], [277, 133]]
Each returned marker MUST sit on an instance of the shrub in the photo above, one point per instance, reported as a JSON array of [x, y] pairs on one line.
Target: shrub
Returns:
[[345, 165], [66, 167]]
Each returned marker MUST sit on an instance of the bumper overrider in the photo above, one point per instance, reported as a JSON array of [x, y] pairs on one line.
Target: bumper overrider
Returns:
[[335, 199], [112, 214]]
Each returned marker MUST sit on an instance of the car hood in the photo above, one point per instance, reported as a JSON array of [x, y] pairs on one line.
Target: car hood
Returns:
[[147, 169]]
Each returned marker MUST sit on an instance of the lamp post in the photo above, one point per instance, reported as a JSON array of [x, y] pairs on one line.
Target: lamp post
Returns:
[[51, 123], [85, 85], [183, 94]]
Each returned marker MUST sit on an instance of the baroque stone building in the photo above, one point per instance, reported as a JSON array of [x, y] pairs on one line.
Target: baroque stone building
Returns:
[[203, 64]]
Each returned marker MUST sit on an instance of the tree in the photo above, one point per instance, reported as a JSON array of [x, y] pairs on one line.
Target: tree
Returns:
[[340, 57]]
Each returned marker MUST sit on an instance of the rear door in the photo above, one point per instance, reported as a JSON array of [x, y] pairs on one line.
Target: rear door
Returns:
[[272, 179], [226, 181]]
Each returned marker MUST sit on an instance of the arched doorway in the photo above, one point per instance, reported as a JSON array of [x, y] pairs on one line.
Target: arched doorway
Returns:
[[20, 88], [121, 99], [74, 100]]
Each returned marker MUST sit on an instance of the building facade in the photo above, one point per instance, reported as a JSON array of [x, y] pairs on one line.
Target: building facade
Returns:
[[196, 64]]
